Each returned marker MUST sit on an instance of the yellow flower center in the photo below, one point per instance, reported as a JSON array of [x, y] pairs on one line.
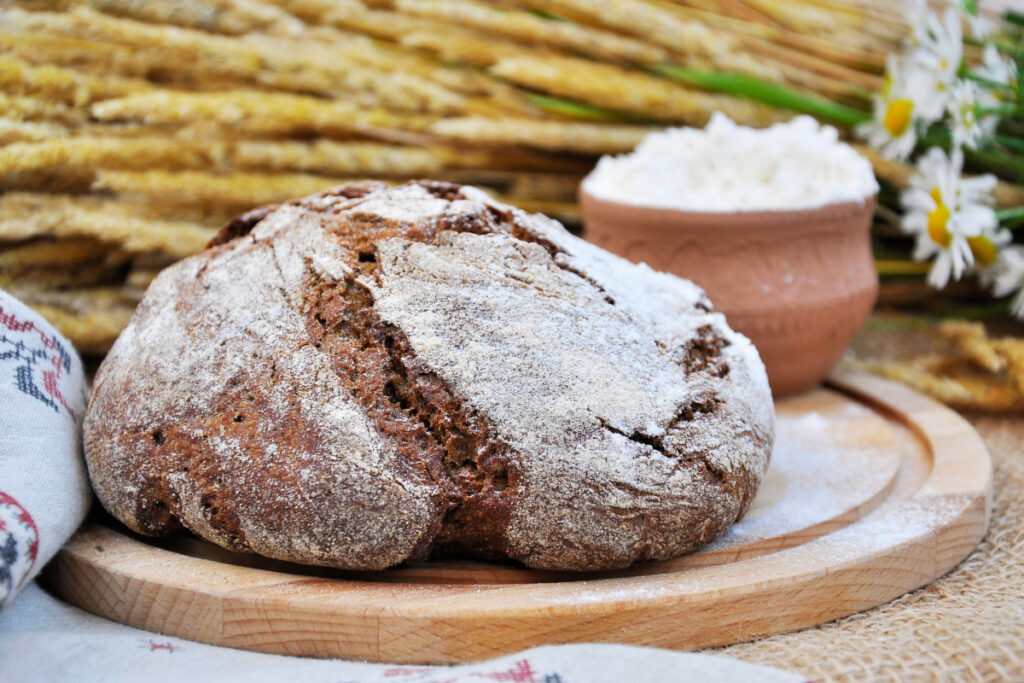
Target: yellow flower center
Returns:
[[985, 252], [897, 117], [937, 220]]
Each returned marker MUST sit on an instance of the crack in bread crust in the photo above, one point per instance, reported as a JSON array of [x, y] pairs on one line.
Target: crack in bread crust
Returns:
[[437, 437], [658, 443]]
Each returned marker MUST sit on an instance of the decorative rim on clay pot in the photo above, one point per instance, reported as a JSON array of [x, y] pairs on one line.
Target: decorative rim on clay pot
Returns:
[[798, 282]]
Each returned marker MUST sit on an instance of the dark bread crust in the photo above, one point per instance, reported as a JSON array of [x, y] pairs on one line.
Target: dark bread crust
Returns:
[[401, 460], [414, 410]]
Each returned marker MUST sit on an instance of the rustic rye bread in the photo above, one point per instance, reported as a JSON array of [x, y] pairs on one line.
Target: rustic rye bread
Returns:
[[377, 375]]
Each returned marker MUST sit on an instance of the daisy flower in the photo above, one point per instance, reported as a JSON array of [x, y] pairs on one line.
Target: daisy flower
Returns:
[[1006, 276], [969, 128], [952, 216], [901, 108], [939, 46], [978, 23], [981, 27], [997, 68]]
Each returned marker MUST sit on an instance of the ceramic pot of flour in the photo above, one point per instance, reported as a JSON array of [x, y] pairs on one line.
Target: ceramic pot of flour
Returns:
[[773, 223], [798, 283]]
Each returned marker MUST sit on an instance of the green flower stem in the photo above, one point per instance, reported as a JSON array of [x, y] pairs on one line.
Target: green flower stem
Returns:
[[1014, 17], [1010, 142], [988, 83], [1010, 214], [930, 319], [1005, 110], [1016, 51], [764, 91], [1005, 164], [899, 267]]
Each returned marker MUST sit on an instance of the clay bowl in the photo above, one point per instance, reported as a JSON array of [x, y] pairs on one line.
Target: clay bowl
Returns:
[[798, 283]]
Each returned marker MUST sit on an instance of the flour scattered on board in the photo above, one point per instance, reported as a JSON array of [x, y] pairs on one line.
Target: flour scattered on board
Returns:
[[817, 473]]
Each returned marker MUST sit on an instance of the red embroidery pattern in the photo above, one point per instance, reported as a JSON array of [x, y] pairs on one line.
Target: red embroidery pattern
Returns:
[[154, 646], [42, 360], [19, 545], [520, 672]]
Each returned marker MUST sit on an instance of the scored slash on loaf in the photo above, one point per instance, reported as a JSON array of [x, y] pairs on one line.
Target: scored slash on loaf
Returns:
[[377, 375]]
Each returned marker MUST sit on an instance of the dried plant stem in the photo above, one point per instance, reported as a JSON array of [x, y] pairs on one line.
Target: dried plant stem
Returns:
[[61, 85], [66, 219], [548, 135], [196, 188], [684, 37], [606, 85], [531, 29], [256, 113], [278, 63]]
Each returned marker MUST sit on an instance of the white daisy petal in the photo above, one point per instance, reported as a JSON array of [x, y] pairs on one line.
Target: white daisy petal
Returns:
[[961, 257], [980, 26], [924, 247], [938, 276], [968, 128], [916, 200], [1017, 305], [980, 186], [996, 67], [1006, 275]]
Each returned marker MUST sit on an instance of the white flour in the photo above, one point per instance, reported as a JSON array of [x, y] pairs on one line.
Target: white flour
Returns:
[[816, 475], [725, 167]]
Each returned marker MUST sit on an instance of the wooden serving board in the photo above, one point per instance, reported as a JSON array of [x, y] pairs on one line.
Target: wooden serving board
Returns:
[[874, 490]]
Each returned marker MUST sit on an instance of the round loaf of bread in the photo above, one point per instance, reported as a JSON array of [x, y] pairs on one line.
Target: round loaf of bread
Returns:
[[377, 375]]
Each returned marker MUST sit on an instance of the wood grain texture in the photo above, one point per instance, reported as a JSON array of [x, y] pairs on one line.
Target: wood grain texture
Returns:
[[922, 506]]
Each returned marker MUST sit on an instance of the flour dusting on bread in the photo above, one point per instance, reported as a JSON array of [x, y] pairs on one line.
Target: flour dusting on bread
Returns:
[[384, 374]]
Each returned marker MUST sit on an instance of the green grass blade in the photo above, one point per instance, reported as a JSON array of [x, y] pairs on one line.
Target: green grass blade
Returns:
[[1010, 214], [765, 91], [579, 110]]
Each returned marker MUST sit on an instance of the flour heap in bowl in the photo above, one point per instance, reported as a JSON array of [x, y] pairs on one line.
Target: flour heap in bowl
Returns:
[[800, 164]]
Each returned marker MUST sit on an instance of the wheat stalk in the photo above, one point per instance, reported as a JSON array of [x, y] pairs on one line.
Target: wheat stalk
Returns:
[[232, 17], [688, 39], [64, 218], [531, 29], [197, 188], [570, 136], [605, 85], [255, 113], [278, 63]]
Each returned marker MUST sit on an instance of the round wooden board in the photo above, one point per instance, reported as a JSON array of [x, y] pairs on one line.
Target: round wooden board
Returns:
[[874, 490]]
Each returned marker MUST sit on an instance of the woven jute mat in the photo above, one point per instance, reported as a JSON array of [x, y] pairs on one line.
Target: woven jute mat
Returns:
[[968, 625]]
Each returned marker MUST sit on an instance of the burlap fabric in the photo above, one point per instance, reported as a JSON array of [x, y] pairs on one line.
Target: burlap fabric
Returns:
[[968, 625]]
